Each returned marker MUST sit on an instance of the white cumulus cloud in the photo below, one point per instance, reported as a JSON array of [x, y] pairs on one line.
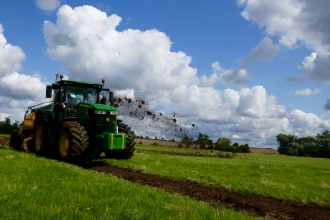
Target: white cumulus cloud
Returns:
[[296, 23], [265, 52], [307, 92], [17, 91], [87, 43], [11, 56], [20, 86], [140, 63], [48, 5], [226, 77]]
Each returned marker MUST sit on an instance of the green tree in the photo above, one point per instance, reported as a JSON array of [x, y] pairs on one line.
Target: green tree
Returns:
[[202, 140], [244, 148], [6, 127], [305, 146], [209, 142], [186, 140], [310, 146], [222, 144], [286, 144], [324, 144]]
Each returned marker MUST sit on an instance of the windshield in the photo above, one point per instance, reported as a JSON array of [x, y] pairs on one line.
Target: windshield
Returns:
[[75, 95]]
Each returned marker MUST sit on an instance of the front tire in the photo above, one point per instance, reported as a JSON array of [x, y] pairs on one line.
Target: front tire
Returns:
[[72, 142]]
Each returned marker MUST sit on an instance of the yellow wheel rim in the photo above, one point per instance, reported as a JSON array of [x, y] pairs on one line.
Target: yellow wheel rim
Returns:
[[64, 144], [38, 137]]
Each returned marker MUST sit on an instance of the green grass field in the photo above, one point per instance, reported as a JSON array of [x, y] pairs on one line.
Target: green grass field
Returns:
[[298, 179], [39, 188], [4, 135]]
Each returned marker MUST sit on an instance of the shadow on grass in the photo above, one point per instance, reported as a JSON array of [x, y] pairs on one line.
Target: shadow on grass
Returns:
[[4, 147], [83, 164]]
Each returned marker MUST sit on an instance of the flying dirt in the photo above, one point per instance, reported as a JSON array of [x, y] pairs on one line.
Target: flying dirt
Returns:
[[145, 117]]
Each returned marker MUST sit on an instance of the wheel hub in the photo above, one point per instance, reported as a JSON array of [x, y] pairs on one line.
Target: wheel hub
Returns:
[[38, 138], [64, 144]]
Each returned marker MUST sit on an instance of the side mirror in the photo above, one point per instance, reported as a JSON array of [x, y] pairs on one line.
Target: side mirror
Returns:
[[111, 97], [48, 91]]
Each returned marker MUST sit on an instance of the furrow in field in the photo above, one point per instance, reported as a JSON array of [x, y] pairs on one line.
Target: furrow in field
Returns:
[[253, 204]]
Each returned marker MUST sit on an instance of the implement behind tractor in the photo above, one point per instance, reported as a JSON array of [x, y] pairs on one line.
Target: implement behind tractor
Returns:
[[76, 126]]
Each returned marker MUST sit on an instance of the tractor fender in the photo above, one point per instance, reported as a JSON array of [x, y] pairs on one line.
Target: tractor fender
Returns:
[[64, 120], [46, 113], [57, 127]]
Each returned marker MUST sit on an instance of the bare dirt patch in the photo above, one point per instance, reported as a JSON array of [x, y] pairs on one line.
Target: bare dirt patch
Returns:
[[263, 150], [157, 142], [4, 141], [254, 205]]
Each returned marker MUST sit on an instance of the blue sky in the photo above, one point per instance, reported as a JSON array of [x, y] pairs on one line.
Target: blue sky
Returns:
[[245, 69]]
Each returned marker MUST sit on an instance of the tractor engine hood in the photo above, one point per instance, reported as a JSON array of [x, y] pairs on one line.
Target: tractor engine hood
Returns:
[[97, 106]]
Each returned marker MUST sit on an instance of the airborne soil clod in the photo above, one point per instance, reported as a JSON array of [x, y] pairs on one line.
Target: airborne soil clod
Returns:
[[139, 110]]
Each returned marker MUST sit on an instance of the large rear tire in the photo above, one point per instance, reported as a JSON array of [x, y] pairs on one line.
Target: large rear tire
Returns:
[[72, 142], [15, 140], [129, 151], [40, 136]]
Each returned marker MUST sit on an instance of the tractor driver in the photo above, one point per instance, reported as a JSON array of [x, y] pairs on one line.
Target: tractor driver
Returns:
[[90, 97], [72, 99]]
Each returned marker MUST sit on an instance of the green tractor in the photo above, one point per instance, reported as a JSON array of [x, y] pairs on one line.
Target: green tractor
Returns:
[[76, 126]]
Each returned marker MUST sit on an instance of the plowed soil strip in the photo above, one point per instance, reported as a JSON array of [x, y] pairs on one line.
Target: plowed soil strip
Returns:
[[254, 205]]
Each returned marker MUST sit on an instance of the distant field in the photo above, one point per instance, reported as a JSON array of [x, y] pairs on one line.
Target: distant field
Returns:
[[159, 142], [263, 151], [175, 144], [4, 135]]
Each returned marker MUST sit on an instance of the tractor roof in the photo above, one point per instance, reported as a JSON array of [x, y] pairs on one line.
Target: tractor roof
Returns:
[[80, 83]]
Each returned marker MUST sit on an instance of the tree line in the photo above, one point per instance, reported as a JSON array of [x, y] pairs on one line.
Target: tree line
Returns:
[[6, 127], [318, 146], [222, 143]]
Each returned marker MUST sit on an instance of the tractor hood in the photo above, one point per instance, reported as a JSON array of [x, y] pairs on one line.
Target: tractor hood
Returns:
[[97, 106]]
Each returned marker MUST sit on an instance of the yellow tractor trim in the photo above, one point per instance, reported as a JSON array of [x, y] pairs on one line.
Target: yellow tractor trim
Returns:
[[29, 121], [38, 137], [64, 144], [25, 143]]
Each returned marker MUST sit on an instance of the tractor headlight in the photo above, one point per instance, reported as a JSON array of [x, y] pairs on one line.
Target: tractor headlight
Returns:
[[99, 112], [113, 112]]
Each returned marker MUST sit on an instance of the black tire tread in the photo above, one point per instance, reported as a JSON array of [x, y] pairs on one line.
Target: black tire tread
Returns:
[[44, 138], [15, 140], [78, 139], [129, 151]]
